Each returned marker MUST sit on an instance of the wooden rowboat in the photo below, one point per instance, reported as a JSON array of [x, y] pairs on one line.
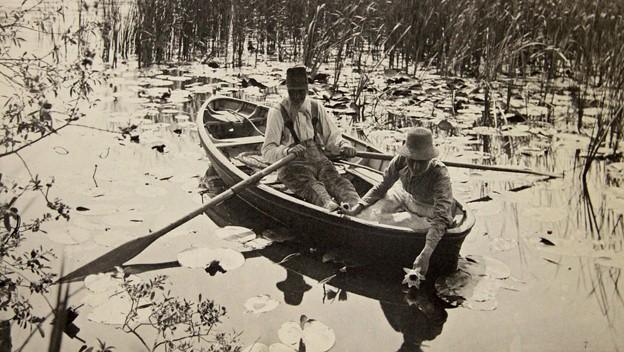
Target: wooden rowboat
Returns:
[[230, 132]]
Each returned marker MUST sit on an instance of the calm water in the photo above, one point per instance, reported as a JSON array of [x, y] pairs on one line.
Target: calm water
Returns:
[[557, 298]]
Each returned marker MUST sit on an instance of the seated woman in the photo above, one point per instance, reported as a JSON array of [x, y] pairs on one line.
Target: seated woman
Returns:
[[423, 199]]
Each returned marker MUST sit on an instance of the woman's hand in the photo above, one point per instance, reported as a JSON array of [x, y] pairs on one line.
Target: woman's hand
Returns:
[[421, 263]]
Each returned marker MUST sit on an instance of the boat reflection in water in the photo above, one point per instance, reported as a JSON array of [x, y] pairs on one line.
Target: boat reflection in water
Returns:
[[418, 315]]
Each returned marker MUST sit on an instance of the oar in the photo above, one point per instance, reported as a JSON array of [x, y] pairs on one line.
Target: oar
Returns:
[[131, 249], [381, 156]]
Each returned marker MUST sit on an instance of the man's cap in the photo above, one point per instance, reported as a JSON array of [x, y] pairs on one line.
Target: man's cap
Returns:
[[297, 78]]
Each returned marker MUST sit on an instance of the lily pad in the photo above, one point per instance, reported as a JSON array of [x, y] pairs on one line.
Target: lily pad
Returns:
[[174, 78], [484, 131], [257, 243], [475, 284], [119, 220], [256, 347], [516, 131], [181, 118], [115, 311], [101, 282], [503, 244], [260, 304], [112, 238], [280, 347], [68, 235], [316, 336], [99, 298], [155, 92], [227, 259], [207, 88], [154, 82], [235, 233]]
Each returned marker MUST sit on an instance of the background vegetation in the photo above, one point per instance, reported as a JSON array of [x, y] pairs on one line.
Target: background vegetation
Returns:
[[489, 40]]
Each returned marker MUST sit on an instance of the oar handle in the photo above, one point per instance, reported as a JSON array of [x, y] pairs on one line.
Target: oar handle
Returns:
[[381, 156], [378, 156]]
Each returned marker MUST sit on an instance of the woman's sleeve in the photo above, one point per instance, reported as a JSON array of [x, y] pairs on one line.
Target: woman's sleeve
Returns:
[[442, 207]]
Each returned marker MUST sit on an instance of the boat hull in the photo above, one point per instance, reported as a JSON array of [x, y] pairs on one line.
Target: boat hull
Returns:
[[320, 228]]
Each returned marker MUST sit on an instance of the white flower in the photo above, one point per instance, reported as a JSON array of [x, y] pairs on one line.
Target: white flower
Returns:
[[413, 277]]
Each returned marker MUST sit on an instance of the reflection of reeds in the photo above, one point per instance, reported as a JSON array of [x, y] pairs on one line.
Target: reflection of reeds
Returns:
[[605, 295]]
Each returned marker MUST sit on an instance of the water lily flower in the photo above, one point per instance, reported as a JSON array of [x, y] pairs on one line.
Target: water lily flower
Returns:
[[412, 277]]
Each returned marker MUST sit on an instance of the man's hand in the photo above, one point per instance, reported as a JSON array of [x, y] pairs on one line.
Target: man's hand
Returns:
[[355, 210], [348, 151], [297, 149], [422, 261]]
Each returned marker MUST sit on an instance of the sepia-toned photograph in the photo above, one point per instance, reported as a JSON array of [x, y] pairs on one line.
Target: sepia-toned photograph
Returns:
[[311, 176]]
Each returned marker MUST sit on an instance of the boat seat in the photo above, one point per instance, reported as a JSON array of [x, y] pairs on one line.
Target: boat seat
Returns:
[[233, 142], [363, 172]]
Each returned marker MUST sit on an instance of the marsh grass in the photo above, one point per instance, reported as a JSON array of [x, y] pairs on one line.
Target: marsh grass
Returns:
[[489, 40]]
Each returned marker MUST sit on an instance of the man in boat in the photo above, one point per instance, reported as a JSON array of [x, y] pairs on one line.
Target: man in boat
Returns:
[[417, 186], [299, 125]]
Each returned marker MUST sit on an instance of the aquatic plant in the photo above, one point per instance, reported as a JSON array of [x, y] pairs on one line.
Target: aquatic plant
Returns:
[[176, 324], [44, 87]]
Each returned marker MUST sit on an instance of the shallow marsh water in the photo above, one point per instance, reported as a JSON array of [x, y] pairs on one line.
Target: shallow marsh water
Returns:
[[561, 297]]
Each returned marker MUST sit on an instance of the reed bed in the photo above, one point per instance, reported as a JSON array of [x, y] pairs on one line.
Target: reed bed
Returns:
[[500, 43]]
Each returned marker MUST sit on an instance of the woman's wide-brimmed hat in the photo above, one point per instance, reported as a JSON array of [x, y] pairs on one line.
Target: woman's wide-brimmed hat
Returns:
[[297, 78], [419, 145]]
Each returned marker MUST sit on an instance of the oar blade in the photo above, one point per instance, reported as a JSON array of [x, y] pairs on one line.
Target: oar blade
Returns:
[[131, 249], [110, 260]]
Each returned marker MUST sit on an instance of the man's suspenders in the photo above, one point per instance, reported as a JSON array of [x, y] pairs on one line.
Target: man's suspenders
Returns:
[[288, 122]]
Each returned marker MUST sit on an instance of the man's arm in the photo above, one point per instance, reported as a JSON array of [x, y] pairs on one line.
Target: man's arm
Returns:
[[272, 149]]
